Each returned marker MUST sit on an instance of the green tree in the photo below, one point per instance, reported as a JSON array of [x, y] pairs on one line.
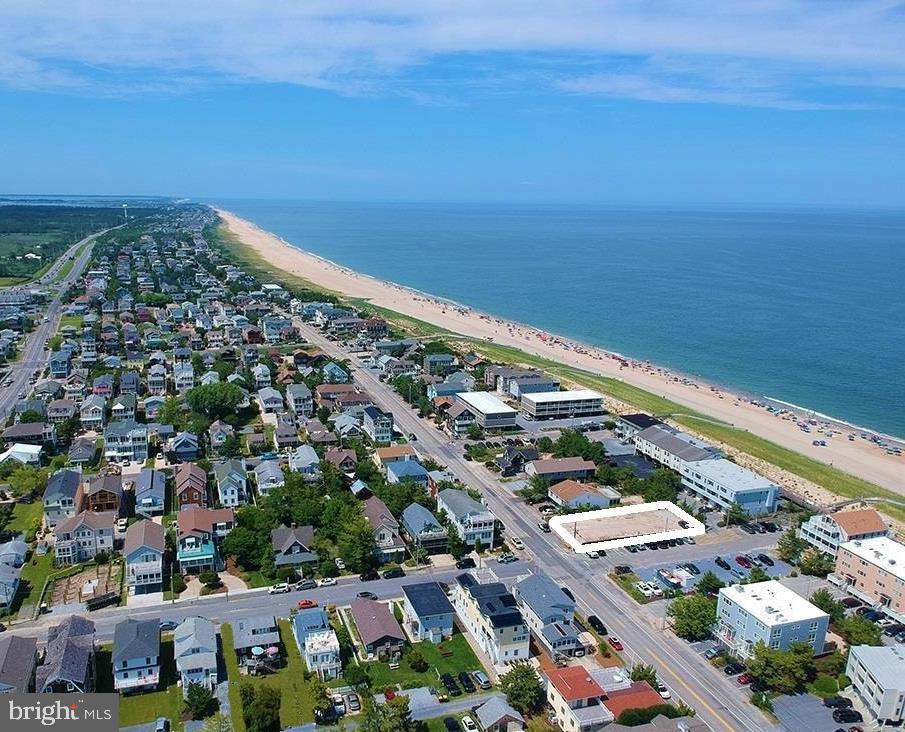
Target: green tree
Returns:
[[643, 672], [662, 485], [415, 659], [636, 717], [757, 574], [782, 671], [170, 412], [215, 401], [693, 616], [735, 514], [536, 490], [815, 564], [709, 583], [392, 716], [31, 417], [474, 432], [27, 480], [859, 631], [790, 546], [523, 688], [356, 675], [199, 701], [824, 599], [320, 697], [356, 545], [263, 715]]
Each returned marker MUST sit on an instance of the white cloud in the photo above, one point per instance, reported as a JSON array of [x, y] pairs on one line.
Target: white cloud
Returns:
[[730, 51]]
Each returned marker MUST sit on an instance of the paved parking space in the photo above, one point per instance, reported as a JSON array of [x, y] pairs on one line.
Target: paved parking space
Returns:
[[735, 573], [804, 713]]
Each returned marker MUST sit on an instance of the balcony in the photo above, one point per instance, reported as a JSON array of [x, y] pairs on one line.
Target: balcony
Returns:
[[592, 716], [137, 682]]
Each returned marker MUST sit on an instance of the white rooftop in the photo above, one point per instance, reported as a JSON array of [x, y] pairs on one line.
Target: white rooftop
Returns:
[[881, 551], [725, 472], [772, 603], [885, 663], [485, 402], [321, 641], [561, 396]]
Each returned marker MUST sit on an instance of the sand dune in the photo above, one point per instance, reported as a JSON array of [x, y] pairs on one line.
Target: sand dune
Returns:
[[859, 458]]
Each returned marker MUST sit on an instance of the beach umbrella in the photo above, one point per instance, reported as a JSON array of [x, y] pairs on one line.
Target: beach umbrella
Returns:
[[257, 651]]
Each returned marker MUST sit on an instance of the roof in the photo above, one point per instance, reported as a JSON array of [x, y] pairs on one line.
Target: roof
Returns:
[[560, 465], [484, 402], [377, 513], [284, 537], [427, 598], [491, 712], [726, 473], [545, 598], [112, 483], [772, 603], [885, 664], [682, 445], [881, 551], [575, 683], [267, 470], [243, 637], [69, 648], [188, 475], [860, 522], [550, 397], [193, 633], [62, 484], [375, 621], [569, 490], [150, 481], [407, 469], [417, 519], [17, 660], [640, 695], [460, 503], [144, 533], [494, 601], [93, 519], [135, 639]]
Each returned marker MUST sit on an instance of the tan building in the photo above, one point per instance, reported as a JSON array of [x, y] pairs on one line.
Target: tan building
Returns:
[[491, 615], [577, 700], [873, 570], [826, 531]]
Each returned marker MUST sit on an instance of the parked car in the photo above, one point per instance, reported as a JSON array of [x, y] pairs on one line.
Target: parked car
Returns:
[[714, 652], [764, 559], [162, 725], [743, 561], [568, 593], [340, 564], [305, 584], [367, 595], [465, 563], [481, 679], [307, 603], [850, 602], [693, 568], [507, 558], [622, 569], [894, 629], [720, 562], [326, 582], [466, 682], [354, 702], [615, 642], [733, 669], [747, 528], [452, 724], [278, 589], [837, 702], [394, 573], [369, 576], [596, 624], [663, 691], [468, 724], [167, 625], [745, 679], [847, 715]]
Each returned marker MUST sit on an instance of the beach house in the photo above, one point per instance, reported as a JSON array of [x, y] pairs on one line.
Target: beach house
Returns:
[[195, 651], [490, 613], [143, 550], [428, 613], [136, 655], [471, 520]]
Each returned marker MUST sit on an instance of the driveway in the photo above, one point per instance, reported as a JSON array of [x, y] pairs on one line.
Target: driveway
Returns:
[[804, 713]]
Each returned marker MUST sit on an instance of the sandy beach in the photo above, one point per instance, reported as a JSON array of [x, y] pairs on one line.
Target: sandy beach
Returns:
[[859, 457]]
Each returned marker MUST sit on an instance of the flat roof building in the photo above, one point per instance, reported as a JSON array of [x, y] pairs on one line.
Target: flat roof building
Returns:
[[877, 674], [489, 411], [671, 447], [874, 570], [767, 612], [562, 404], [722, 482]]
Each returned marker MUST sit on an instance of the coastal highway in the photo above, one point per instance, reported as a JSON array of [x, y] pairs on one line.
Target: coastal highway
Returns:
[[716, 698], [31, 352]]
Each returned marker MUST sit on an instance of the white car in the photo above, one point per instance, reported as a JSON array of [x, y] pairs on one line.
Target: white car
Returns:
[[517, 543], [663, 691], [122, 524], [326, 582], [278, 589], [340, 564], [468, 724]]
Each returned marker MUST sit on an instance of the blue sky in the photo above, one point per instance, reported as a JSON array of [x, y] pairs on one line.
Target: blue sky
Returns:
[[629, 102]]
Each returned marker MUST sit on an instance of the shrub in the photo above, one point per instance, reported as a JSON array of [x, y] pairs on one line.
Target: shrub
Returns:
[[178, 583], [824, 686]]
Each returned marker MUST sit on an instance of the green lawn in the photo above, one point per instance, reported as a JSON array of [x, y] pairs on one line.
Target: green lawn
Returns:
[[627, 583], [74, 320], [10, 281], [143, 708], [296, 705], [34, 573], [25, 516], [452, 656]]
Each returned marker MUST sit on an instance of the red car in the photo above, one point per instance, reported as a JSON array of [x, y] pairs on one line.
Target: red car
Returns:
[[615, 642], [305, 604], [743, 561], [745, 679]]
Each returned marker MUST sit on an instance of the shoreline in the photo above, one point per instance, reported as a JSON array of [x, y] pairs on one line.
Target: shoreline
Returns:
[[722, 405]]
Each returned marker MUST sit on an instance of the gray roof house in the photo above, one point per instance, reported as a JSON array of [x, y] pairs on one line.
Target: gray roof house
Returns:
[[18, 656], [305, 460], [255, 631], [424, 529], [389, 545], [69, 659], [496, 715], [195, 651], [292, 546], [136, 655], [268, 475], [13, 552], [549, 613], [472, 520], [428, 611], [150, 490], [62, 496], [143, 549]]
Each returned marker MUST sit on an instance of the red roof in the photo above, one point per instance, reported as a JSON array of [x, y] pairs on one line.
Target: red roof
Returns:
[[574, 683], [640, 695]]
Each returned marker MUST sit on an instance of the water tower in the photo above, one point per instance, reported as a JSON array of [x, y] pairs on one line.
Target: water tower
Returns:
[[125, 215]]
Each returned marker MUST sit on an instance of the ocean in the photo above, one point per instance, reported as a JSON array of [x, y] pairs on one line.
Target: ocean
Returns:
[[801, 305]]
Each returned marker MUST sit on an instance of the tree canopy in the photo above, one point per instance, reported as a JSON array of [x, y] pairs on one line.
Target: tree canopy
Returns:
[[215, 401], [523, 688], [693, 616]]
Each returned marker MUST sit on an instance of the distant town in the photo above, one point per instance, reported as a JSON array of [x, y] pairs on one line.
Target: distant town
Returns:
[[244, 504]]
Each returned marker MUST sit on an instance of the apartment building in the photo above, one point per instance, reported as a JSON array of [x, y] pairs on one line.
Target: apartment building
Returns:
[[491, 615], [826, 531], [873, 570]]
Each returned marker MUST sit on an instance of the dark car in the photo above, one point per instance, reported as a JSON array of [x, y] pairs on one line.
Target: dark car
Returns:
[[367, 595], [164, 625], [747, 528], [733, 669], [622, 569], [568, 593], [369, 576], [720, 562], [451, 686], [743, 561], [394, 573], [764, 559], [850, 602], [770, 526], [894, 629], [305, 584], [466, 682], [595, 623], [837, 702], [693, 568], [465, 563], [452, 724], [847, 715]]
